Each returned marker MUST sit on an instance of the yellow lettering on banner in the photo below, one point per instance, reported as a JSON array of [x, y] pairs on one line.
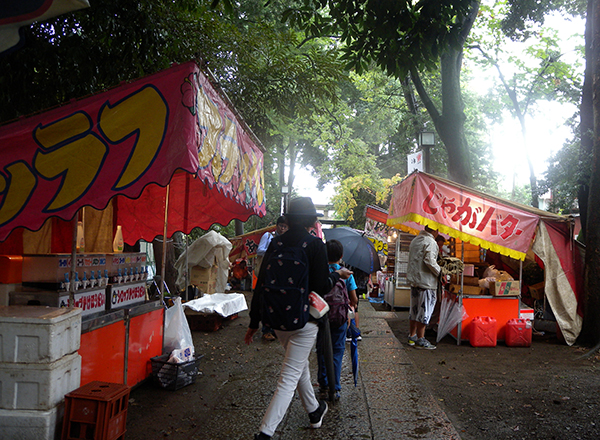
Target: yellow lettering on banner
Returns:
[[16, 189], [251, 176], [229, 153], [209, 119], [78, 162], [144, 115], [58, 132], [244, 165], [260, 195]]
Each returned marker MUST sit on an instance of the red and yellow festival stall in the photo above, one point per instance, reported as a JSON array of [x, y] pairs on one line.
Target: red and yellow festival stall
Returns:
[[505, 228], [162, 154]]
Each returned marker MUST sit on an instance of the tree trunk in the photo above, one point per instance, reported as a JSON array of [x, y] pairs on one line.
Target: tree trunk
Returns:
[[170, 272], [535, 201], [591, 322], [586, 126], [281, 173], [451, 125]]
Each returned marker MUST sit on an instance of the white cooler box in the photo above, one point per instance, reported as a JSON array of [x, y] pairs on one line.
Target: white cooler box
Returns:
[[30, 424], [38, 334], [38, 386]]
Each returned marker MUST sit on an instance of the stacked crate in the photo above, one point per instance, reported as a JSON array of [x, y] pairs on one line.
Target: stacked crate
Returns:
[[39, 364], [96, 411]]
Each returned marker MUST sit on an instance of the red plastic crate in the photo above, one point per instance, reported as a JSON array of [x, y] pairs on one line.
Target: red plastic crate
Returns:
[[518, 333], [96, 411], [483, 332]]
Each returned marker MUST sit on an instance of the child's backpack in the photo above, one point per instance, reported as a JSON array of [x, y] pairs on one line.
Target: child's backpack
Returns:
[[339, 304], [285, 289]]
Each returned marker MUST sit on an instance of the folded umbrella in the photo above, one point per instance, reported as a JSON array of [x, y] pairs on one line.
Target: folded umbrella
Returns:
[[359, 251], [451, 315], [354, 333]]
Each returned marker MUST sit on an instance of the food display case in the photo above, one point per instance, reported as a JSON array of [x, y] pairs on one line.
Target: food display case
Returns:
[[397, 292]]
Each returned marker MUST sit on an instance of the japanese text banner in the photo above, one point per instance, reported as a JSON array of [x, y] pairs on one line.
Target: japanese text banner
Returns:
[[120, 141], [463, 214]]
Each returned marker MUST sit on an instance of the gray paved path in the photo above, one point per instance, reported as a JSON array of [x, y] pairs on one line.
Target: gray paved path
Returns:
[[229, 400]]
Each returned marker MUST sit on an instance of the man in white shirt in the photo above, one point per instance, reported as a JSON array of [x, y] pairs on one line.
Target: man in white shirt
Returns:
[[422, 274], [265, 240]]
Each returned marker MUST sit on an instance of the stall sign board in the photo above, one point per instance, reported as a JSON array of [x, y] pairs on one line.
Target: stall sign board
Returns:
[[121, 141], [127, 294], [89, 301], [463, 213]]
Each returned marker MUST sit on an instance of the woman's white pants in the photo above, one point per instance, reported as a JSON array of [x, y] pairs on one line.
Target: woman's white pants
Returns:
[[295, 374]]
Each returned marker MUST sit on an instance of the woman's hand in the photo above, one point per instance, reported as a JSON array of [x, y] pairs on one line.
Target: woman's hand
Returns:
[[249, 335], [344, 273]]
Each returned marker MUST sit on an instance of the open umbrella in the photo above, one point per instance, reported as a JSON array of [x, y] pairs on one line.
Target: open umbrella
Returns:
[[359, 251]]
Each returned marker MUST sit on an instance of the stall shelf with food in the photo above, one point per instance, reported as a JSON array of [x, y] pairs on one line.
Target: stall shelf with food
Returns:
[[506, 229]]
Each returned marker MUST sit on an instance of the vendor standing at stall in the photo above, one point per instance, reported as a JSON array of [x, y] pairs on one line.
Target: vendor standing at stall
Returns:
[[422, 274]]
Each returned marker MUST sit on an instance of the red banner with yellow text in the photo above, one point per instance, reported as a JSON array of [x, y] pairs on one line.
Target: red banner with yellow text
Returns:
[[462, 213], [119, 142]]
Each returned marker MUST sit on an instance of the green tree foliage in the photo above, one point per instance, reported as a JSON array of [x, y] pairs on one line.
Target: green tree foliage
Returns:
[[525, 16], [538, 72], [565, 170], [87, 51], [404, 39]]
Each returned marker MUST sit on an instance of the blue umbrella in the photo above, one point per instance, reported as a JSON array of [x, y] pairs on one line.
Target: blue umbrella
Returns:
[[355, 333], [359, 251]]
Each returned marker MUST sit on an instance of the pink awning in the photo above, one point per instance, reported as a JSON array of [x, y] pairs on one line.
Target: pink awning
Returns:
[[132, 141], [461, 212]]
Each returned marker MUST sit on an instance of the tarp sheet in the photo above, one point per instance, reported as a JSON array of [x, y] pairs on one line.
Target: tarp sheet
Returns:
[[212, 249], [563, 269], [131, 141], [224, 304]]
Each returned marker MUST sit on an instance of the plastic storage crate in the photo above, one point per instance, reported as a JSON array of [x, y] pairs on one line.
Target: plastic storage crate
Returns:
[[96, 411], [172, 376]]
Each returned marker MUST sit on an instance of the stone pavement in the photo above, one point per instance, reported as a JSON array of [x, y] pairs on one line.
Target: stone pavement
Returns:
[[228, 401]]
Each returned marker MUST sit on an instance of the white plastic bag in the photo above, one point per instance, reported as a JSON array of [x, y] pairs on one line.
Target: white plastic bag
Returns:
[[178, 335]]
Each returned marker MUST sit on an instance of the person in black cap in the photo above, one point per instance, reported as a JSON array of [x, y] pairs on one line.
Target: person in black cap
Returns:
[[295, 373]]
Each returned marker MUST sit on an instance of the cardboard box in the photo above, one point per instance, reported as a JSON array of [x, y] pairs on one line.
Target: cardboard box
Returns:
[[506, 288], [469, 269], [467, 290], [537, 290], [204, 278], [467, 280]]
